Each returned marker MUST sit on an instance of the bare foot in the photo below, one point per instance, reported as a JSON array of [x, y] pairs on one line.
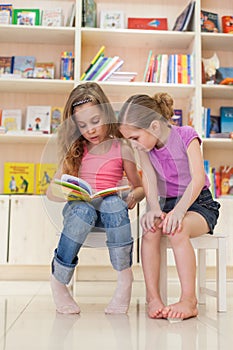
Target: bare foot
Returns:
[[184, 309], [155, 308], [64, 302]]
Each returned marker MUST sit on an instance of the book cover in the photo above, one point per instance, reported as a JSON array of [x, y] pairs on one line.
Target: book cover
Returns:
[[44, 175], [111, 19], [147, 23], [52, 17], [5, 65], [26, 17], [89, 13], [94, 67], [177, 117], [18, 178], [209, 22], [183, 21], [23, 65], [226, 119], [6, 13], [44, 70], [215, 126], [73, 188], [114, 66], [226, 173], [11, 119], [38, 119], [56, 118], [227, 24]]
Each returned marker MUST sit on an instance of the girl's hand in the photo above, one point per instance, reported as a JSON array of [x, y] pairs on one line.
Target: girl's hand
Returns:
[[131, 200], [149, 220], [172, 223]]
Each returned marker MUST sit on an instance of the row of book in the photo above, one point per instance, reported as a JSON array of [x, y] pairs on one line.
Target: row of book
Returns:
[[41, 119], [28, 67], [164, 68], [102, 68], [217, 126], [27, 178], [221, 180], [51, 17]]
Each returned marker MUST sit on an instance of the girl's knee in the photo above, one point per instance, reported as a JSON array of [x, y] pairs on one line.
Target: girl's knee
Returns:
[[80, 212], [114, 212]]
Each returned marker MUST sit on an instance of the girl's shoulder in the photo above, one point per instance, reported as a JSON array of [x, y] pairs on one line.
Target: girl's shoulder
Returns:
[[186, 133]]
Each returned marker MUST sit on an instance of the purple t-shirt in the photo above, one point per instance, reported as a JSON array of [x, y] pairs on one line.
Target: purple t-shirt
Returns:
[[171, 162]]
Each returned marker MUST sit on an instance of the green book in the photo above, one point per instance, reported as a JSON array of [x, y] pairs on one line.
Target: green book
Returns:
[[26, 17]]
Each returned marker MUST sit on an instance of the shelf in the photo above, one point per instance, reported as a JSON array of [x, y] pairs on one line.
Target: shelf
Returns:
[[176, 90], [217, 91], [37, 34], [150, 39], [217, 42], [25, 138], [218, 143], [43, 86]]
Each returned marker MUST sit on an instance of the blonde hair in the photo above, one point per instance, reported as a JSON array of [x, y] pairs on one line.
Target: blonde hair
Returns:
[[141, 110], [70, 139]]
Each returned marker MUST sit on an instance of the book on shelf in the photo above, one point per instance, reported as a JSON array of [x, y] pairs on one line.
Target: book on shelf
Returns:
[[18, 178], [177, 117], [70, 22], [52, 17], [184, 20], [26, 17], [44, 70], [6, 13], [93, 61], [122, 76], [44, 175], [56, 118], [38, 119], [112, 19], [227, 24], [145, 75], [114, 64], [205, 122], [73, 188], [215, 127], [11, 119], [5, 65], [23, 65], [89, 13], [226, 173], [96, 68], [226, 119], [147, 23], [209, 22]]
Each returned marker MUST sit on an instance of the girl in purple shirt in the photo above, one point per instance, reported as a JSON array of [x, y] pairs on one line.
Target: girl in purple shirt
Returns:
[[173, 171]]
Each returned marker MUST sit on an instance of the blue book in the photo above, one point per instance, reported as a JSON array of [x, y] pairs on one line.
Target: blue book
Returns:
[[226, 119], [23, 65], [97, 69]]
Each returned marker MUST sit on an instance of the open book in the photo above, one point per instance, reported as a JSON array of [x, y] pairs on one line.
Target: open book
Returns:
[[73, 188]]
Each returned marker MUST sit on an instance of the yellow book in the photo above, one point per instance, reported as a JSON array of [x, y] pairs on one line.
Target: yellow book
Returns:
[[93, 61], [18, 178], [44, 174]]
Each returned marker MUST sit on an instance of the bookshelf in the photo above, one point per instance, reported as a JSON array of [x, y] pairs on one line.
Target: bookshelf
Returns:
[[47, 43]]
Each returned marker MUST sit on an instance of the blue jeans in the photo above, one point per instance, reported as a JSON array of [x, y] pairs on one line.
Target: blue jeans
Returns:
[[80, 218]]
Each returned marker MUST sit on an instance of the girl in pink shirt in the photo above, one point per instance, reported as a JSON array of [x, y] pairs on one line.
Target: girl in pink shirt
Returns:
[[91, 147], [173, 170]]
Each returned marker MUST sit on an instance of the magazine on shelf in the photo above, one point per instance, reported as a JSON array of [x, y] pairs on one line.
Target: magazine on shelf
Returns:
[[73, 188], [183, 21]]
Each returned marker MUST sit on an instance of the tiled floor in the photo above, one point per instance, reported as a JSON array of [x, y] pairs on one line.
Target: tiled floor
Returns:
[[28, 321]]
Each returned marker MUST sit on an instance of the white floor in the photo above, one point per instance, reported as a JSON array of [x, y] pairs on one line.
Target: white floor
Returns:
[[28, 321]]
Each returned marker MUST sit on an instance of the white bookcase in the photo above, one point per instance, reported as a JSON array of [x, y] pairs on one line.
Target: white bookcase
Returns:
[[47, 43]]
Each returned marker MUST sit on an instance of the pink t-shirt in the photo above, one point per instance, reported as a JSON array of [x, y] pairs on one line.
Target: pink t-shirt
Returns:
[[171, 162], [102, 171]]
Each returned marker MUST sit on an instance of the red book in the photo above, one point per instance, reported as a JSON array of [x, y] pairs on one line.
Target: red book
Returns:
[[147, 23], [227, 24]]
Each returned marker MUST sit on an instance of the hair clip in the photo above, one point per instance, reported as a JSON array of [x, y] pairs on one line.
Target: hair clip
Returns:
[[81, 102]]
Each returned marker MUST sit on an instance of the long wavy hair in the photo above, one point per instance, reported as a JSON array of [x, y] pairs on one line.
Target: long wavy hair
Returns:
[[70, 140]]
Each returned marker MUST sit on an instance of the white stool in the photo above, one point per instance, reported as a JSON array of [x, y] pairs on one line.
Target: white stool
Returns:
[[202, 243]]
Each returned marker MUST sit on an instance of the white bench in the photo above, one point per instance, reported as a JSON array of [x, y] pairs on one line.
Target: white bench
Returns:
[[201, 244]]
